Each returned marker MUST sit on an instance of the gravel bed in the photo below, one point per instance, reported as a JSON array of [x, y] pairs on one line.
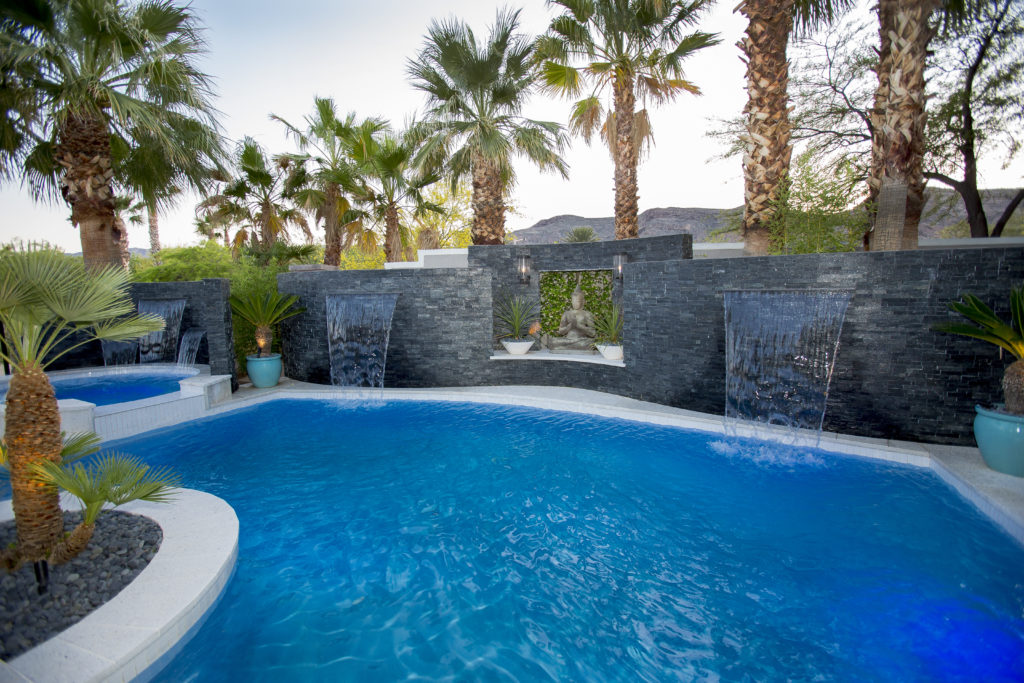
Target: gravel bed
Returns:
[[121, 547]]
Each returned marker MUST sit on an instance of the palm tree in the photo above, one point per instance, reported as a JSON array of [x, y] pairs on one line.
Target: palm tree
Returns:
[[634, 49], [474, 126], [393, 187], [327, 139], [905, 29], [767, 147], [105, 74], [49, 306], [259, 198]]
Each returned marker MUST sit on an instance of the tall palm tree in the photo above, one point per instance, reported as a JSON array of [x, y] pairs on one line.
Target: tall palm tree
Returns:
[[393, 186], [634, 49], [326, 141], [474, 126], [905, 29], [49, 306], [259, 198], [105, 73], [767, 147]]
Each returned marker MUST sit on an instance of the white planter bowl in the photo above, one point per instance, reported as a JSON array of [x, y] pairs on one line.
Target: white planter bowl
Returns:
[[610, 351], [517, 347]]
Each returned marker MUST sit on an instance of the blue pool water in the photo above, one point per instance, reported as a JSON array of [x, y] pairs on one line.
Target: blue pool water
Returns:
[[402, 540], [105, 390]]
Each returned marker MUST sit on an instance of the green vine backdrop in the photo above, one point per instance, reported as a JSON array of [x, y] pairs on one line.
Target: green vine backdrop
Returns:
[[556, 289]]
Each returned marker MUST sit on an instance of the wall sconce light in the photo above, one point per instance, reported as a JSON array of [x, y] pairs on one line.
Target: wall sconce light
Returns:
[[618, 261], [523, 268]]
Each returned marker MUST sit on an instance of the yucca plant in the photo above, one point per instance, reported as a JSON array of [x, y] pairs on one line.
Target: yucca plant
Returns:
[[608, 325], [991, 328], [516, 316], [264, 311]]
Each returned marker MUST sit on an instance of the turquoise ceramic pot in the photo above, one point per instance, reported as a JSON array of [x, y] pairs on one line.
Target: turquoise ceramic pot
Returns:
[[1000, 438], [265, 371]]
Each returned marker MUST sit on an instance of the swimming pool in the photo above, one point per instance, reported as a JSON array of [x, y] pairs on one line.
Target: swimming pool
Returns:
[[109, 386], [484, 542]]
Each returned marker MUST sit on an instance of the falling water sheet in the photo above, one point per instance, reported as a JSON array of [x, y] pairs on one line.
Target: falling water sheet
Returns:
[[358, 330], [162, 346]]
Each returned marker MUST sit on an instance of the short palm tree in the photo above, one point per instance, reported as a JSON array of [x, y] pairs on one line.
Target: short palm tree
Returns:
[[263, 310], [50, 305], [634, 49], [105, 74], [324, 143], [392, 185], [582, 233], [473, 123], [260, 199]]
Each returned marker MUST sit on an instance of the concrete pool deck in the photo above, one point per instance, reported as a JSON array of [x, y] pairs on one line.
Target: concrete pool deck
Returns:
[[165, 605]]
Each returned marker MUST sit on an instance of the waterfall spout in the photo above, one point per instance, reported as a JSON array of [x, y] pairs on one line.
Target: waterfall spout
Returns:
[[358, 328], [780, 350], [188, 348], [162, 346]]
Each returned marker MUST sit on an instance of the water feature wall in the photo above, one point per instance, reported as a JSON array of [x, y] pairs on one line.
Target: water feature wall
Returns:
[[780, 351], [358, 329], [188, 347], [161, 346], [120, 353], [894, 378]]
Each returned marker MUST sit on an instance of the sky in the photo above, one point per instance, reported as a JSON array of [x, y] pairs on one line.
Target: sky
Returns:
[[272, 57]]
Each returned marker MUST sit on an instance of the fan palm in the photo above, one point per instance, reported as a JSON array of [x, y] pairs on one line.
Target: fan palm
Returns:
[[473, 124], [50, 305], [392, 186], [326, 141], [634, 49], [259, 199], [106, 74], [767, 148]]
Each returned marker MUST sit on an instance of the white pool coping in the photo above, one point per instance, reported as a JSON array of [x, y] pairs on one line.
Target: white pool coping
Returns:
[[155, 615], [157, 612]]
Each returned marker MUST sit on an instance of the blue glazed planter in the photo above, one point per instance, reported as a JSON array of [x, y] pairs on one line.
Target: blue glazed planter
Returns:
[[1000, 438], [264, 372]]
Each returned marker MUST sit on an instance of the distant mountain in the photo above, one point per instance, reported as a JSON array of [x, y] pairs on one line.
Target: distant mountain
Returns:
[[943, 209]]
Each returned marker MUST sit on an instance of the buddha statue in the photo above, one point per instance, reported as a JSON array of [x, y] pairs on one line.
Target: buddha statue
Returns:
[[575, 329]]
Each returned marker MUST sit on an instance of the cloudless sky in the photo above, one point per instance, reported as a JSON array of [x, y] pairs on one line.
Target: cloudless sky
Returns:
[[275, 56]]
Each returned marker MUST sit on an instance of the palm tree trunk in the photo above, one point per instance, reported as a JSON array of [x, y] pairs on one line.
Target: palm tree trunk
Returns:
[[69, 548], [392, 235], [900, 112], [154, 234], [767, 140], [83, 151], [32, 433], [627, 224], [488, 203], [332, 226]]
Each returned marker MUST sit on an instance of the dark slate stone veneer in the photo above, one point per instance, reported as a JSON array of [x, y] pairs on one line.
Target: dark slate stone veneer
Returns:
[[206, 307], [894, 378]]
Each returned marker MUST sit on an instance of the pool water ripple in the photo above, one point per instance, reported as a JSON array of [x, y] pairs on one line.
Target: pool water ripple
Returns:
[[457, 542]]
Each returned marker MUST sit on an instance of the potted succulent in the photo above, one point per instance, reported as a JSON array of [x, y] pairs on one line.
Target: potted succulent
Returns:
[[1000, 431], [264, 310], [517, 322], [608, 325]]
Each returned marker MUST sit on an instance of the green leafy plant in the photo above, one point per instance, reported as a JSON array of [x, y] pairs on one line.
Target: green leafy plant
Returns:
[[516, 316], [264, 311], [608, 324], [991, 328]]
